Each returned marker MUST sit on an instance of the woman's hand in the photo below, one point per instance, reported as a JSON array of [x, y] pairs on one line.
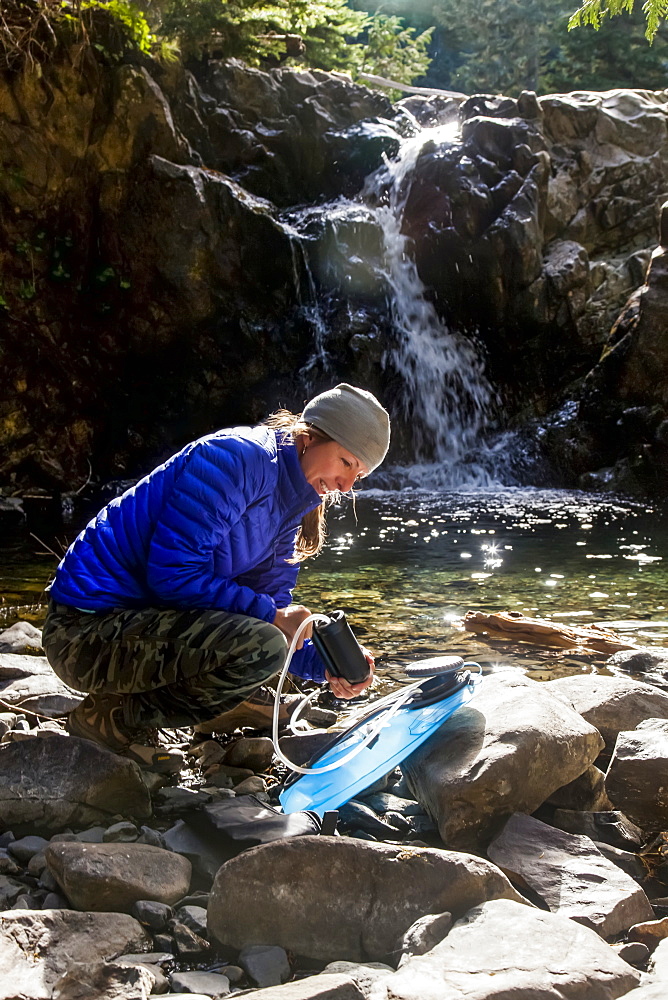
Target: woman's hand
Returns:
[[341, 688], [289, 619]]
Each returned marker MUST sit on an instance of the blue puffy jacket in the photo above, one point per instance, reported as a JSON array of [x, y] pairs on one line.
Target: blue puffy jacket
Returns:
[[211, 528]]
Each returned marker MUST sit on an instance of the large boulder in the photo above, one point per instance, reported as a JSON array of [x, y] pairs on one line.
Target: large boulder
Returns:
[[571, 875], [339, 898], [637, 778], [506, 752], [57, 781], [502, 950], [37, 948], [611, 704], [112, 877]]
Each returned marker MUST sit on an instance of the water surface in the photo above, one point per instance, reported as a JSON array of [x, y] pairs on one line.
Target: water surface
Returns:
[[407, 566]]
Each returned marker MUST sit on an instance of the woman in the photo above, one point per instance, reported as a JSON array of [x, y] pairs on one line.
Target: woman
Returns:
[[173, 604]]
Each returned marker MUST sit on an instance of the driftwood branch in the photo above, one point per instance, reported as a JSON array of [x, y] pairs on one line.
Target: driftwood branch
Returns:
[[514, 627], [380, 81]]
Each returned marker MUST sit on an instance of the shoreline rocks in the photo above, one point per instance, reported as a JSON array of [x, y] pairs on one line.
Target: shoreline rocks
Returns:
[[556, 887]]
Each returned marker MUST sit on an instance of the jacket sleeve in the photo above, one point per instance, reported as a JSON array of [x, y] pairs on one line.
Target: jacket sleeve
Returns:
[[208, 498], [306, 663]]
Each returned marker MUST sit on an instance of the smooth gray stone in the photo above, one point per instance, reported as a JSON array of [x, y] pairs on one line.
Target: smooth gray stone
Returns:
[[504, 949], [124, 832], [152, 914], [114, 876], [193, 917], [570, 875], [209, 984], [95, 835], [26, 847], [423, 935], [55, 901], [378, 891], [634, 952], [266, 965], [505, 752]]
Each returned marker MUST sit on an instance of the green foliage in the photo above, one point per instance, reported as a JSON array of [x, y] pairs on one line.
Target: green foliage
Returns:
[[324, 34], [593, 12], [505, 46], [129, 16], [394, 51]]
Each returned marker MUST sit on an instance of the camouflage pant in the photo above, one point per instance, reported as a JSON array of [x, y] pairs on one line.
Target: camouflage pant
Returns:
[[176, 668]]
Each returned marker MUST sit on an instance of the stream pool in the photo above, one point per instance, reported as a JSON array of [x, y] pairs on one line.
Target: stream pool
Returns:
[[407, 566]]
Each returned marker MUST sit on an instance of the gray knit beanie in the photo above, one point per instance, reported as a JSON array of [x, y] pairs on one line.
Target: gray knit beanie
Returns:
[[355, 419]]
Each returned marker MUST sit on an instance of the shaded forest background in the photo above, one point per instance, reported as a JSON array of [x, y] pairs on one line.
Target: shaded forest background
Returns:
[[506, 46], [470, 46]]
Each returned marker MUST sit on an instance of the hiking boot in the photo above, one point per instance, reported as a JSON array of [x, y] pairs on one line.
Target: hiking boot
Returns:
[[257, 713], [99, 718]]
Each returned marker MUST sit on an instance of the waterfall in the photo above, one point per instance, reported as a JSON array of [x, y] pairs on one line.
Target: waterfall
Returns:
[[444, 400]]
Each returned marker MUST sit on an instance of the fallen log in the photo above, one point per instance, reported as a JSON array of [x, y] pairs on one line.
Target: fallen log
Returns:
[[515, 627]]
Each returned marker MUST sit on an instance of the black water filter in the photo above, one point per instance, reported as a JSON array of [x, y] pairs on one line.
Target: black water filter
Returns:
[[339, 649]]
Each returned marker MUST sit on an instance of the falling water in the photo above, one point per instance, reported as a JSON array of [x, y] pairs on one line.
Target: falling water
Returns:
[[444, 400]]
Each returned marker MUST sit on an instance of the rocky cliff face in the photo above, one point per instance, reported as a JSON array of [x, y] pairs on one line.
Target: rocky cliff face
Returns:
[[154, 286]]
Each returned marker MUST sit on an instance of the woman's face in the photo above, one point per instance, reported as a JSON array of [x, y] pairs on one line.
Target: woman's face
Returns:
[[328, 466]]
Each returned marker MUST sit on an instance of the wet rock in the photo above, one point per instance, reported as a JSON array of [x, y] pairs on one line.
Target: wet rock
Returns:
[[570, 875], [423, 935], [38, 948], [611, 704], [372, 893], [267, 965], [637, 778], [507, 752], [50, 784], [115, 876], [558, 958]]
